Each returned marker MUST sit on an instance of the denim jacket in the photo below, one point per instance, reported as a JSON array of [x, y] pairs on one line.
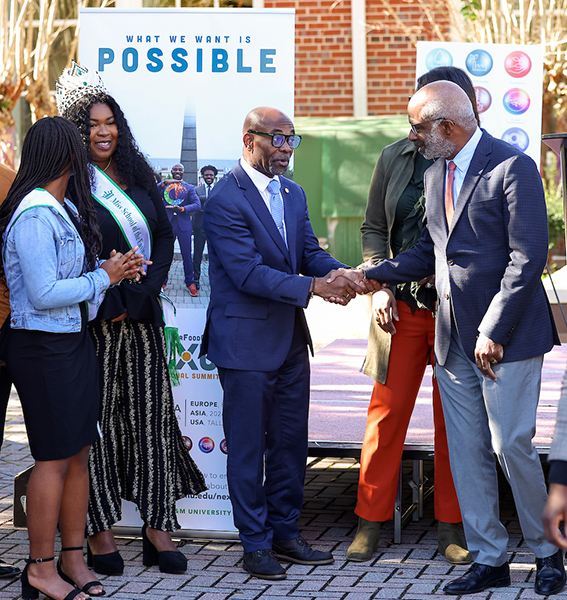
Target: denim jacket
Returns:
[[43, 258]]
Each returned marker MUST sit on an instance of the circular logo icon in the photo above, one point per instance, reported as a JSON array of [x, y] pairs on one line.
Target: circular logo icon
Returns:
[[483, 99], [479, 63], [517, 64], [172, 192], [517, 137], [516, 101], [186, 356], [188, 442], [206, 445], [223, 447], [439, 57]]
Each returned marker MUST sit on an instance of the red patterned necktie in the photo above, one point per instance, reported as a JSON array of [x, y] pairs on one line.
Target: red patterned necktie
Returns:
[[449, 206]]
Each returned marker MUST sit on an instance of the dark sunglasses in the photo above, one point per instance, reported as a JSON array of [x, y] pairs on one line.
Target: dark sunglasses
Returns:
[[279, 139]]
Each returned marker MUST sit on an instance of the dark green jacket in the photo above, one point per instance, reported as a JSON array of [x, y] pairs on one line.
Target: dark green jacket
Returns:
[[391, 176]]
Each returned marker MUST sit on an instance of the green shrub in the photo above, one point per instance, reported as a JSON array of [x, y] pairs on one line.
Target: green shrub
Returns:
[[554, 201]]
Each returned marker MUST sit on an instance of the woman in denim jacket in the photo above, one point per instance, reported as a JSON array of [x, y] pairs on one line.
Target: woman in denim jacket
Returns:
[[49, 262]]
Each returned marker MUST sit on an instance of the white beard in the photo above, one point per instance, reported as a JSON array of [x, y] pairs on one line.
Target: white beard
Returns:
[[437, 146]]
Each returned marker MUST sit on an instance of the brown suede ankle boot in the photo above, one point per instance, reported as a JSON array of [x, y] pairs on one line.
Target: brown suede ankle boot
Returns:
[[365, 541], [451, 544]]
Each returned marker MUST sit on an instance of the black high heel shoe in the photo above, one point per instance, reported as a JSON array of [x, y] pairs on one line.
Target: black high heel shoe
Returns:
[[169, 561], [66, 577], [105, 564], [29, 592]]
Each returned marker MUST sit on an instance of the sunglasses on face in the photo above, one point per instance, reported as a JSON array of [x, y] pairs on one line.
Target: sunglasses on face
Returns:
[[279, 139]]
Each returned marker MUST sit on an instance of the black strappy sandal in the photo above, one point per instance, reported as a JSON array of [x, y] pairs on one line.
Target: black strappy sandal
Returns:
[[66, 577], [29, 592]]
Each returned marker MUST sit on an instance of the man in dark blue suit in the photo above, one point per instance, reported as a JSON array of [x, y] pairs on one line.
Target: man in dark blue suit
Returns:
[[181, 201], [260, 241], [486, 241]]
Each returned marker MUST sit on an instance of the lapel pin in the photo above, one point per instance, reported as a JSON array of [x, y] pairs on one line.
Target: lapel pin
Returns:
[[286, 190]]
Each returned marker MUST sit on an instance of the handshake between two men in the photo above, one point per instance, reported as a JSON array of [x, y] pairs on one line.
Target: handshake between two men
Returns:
[[340, 286]]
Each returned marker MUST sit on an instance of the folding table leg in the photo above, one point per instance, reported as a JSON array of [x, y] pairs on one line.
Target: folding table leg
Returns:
[[398, 511], [417, 489]]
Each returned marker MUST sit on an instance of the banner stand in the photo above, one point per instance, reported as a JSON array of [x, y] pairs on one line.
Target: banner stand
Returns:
[[186, 78], [198, 534], [556, 141]]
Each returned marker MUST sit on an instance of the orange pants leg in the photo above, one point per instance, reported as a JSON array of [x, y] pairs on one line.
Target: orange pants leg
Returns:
[[389, 413]]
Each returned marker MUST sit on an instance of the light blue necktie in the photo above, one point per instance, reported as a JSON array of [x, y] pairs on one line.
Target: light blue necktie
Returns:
[[276, 205]]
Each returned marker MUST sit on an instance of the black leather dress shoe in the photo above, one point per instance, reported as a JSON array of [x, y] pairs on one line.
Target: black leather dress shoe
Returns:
[[479, 577], [298, 551], [262, 564], [550, 575], [7, 570]]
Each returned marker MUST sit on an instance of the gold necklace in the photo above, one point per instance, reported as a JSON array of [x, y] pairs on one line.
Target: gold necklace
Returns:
[[108, 165]]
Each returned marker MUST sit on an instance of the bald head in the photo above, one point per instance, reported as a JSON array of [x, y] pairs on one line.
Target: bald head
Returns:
[[259, 152], [444, 99], [442, 119], [263, 117], [177, 171]]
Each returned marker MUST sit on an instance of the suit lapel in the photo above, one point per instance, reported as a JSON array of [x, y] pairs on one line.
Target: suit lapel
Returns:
[[252, 194], [290, 218]]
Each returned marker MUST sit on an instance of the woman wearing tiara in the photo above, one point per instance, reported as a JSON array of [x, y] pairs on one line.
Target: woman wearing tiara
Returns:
[[141, 456], [49, 280]]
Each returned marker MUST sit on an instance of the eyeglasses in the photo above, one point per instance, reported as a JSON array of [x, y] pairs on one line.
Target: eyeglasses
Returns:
[[414, 126], [279, 139]]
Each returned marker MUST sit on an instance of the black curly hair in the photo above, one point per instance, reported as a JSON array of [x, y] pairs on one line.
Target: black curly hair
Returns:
[[51, 147], [130, 163], [209, 168]]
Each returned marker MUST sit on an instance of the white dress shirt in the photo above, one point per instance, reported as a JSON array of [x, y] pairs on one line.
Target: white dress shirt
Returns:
[[462, 163], [261, 182]]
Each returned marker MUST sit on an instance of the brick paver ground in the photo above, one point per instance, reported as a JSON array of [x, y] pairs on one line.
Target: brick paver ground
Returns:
[[412, 570]]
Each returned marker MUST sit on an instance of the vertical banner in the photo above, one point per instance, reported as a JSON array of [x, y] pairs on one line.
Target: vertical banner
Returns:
[[212, 65], [185, 79], [508, 81]]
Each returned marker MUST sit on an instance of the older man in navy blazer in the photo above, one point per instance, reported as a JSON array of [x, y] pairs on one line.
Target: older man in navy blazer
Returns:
[[260, 241], [486, 241]]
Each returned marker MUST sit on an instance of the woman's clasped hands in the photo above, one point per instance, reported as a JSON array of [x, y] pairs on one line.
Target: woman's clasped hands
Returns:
[[125, 266]]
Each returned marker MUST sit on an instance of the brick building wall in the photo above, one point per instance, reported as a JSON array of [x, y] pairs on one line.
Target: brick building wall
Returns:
[[323, 56]]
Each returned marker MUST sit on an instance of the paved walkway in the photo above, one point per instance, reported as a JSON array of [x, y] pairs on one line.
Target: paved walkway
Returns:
[[412, 570]]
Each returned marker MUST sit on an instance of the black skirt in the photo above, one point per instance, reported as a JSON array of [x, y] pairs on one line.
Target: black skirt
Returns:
[[56, 377]]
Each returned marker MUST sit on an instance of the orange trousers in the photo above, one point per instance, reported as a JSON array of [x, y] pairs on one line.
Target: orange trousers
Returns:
[[389, 413]]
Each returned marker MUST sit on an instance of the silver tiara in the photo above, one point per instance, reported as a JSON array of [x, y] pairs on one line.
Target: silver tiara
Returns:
[[74, 83]]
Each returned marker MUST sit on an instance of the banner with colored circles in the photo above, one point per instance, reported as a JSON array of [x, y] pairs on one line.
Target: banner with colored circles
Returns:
[[185, 79], [508, 80]]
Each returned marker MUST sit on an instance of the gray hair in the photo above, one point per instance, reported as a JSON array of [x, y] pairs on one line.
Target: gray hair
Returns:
[[461, 113]]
